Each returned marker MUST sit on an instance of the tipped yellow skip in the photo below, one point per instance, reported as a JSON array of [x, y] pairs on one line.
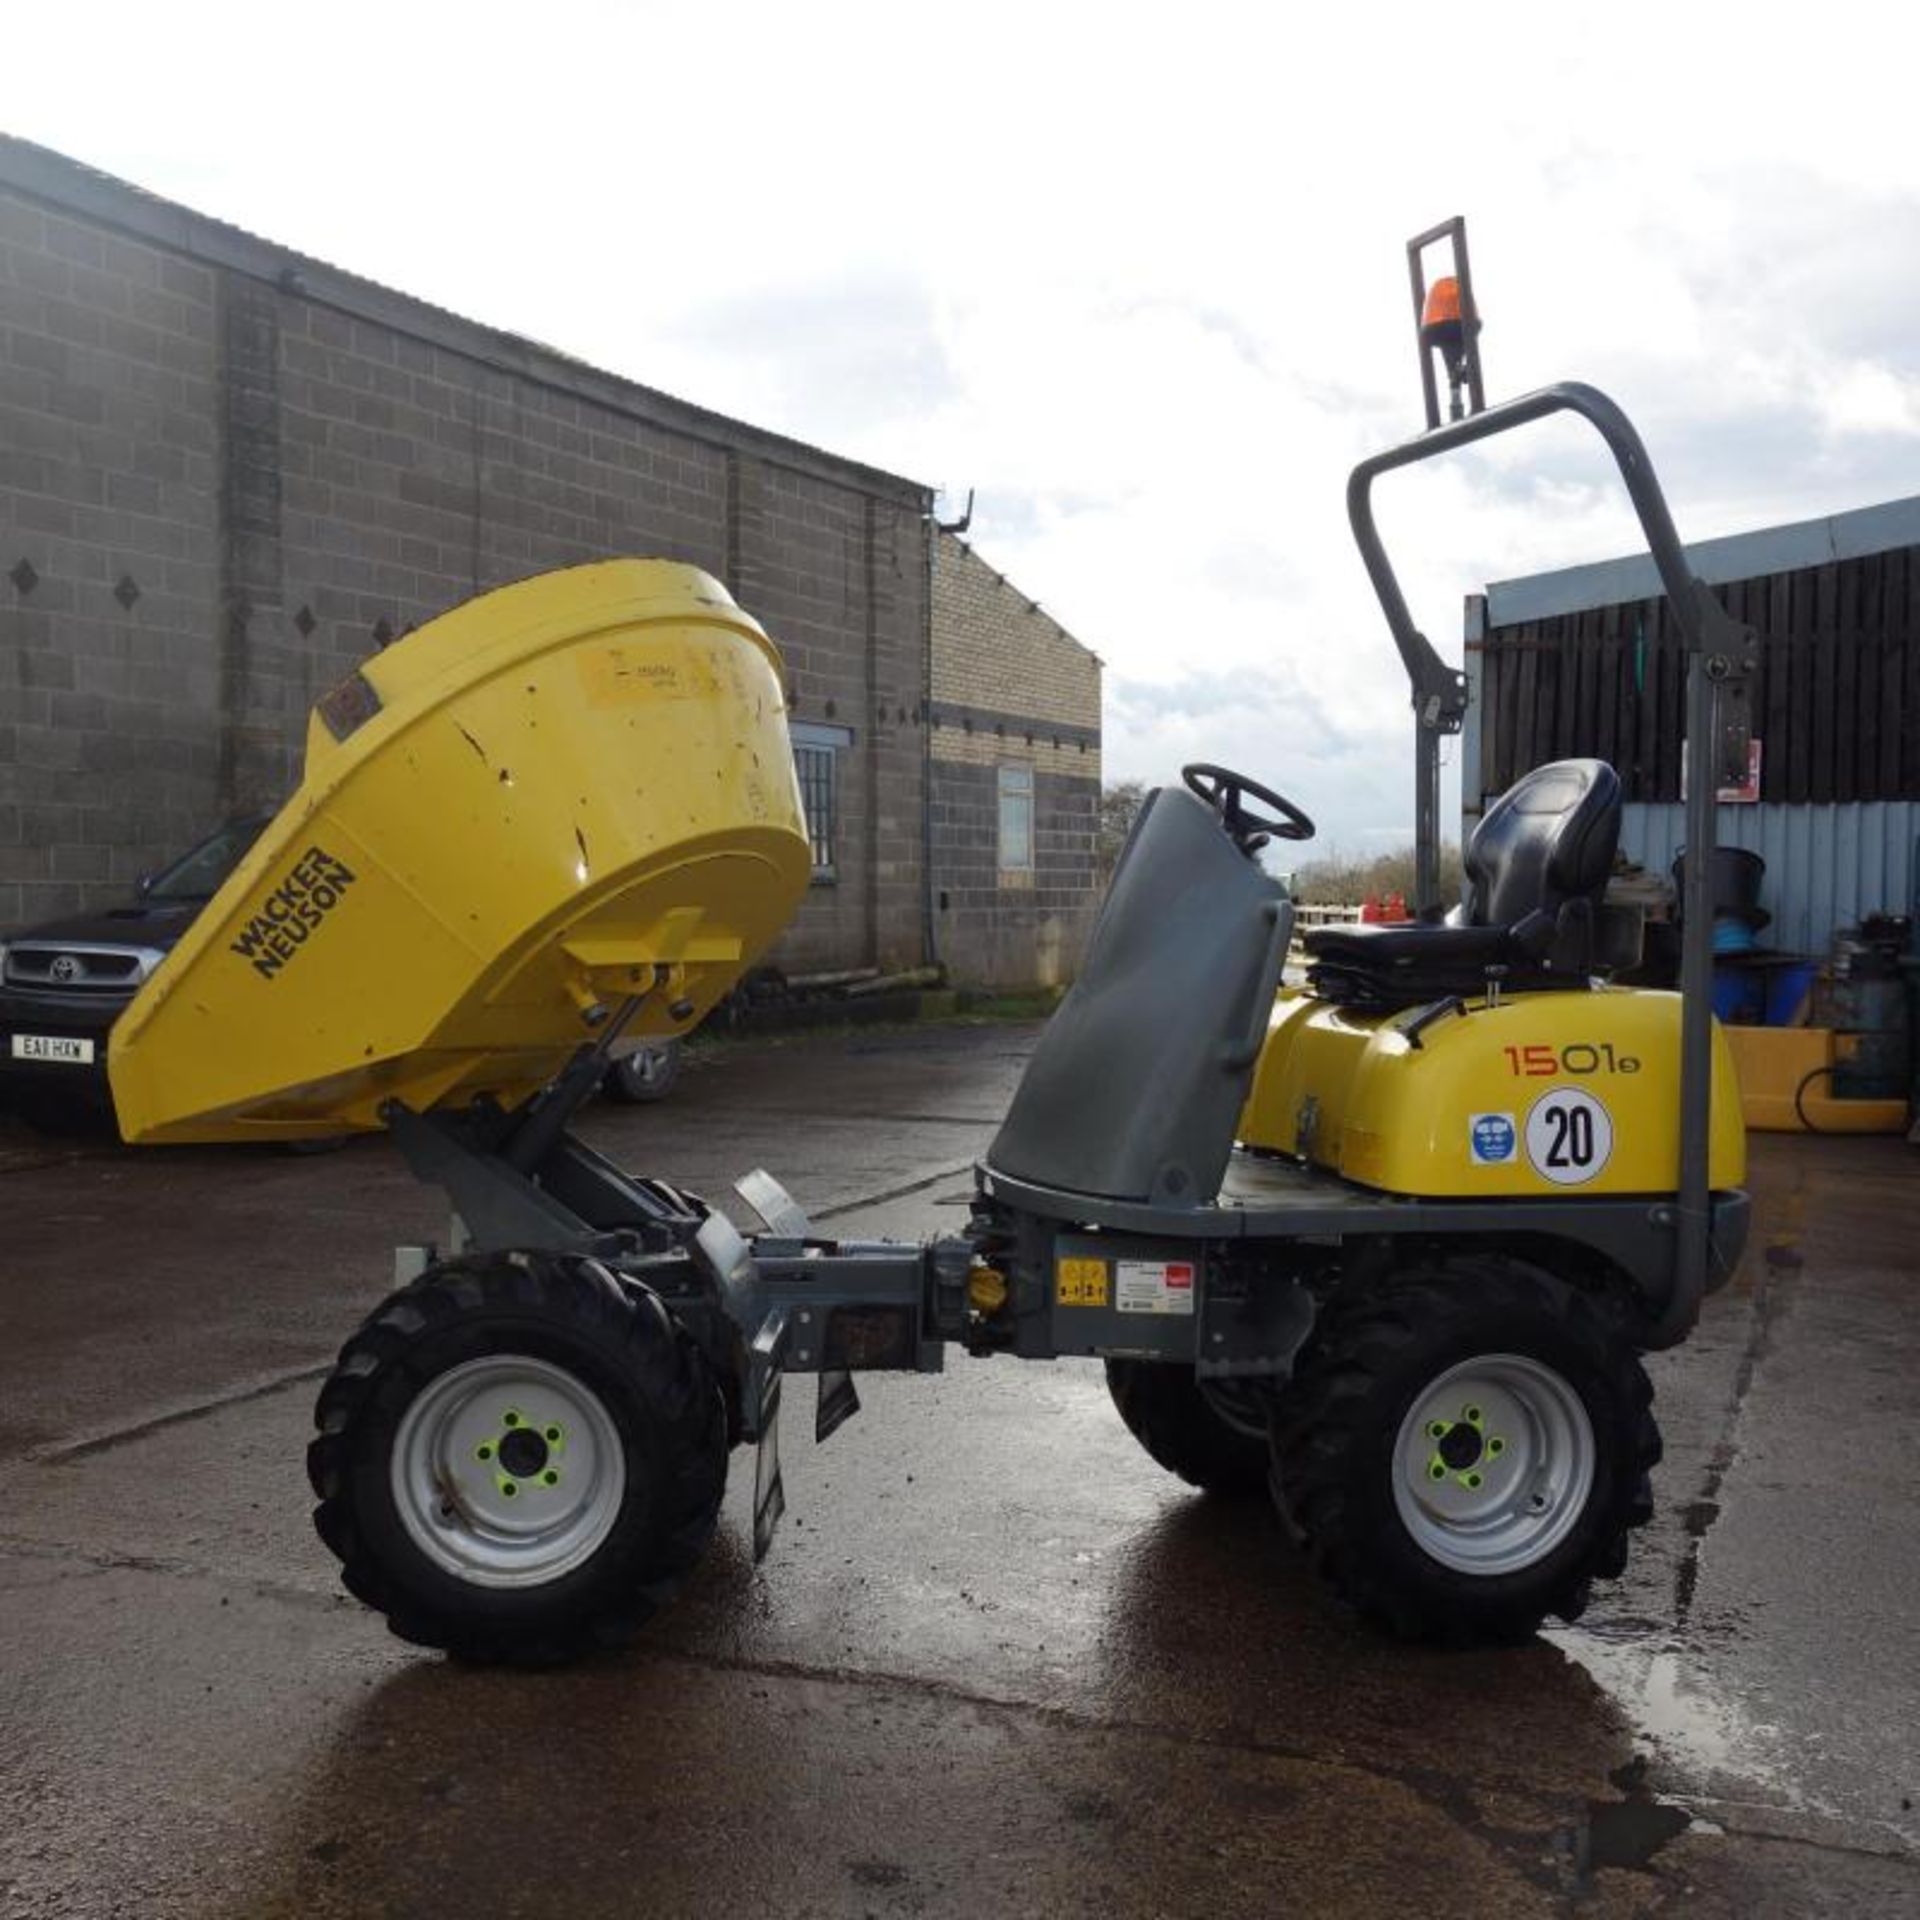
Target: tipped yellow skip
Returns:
[[559, 795]]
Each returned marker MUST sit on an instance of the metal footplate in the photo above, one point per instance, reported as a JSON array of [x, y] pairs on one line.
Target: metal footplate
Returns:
[[783, 1214]]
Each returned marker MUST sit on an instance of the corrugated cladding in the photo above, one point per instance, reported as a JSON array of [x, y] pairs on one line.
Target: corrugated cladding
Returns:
[[1587, 662], [1836, 697], [1827, 866]]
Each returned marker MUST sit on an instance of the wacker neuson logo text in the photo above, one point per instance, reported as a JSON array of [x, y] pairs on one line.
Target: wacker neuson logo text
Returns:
[[294, 910]]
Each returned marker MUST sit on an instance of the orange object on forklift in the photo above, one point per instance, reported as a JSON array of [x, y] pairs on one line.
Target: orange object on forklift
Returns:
[[1443, 302]]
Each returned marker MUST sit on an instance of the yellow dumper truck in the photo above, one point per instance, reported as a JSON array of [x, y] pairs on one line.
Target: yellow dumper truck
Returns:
[[1393, 1242]]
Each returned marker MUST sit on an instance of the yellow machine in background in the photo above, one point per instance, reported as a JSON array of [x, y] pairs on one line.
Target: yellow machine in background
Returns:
[[563, 797], [1535, 1094]]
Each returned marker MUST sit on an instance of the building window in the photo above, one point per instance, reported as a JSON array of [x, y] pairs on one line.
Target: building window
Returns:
[[1016, 819], [816, 758]]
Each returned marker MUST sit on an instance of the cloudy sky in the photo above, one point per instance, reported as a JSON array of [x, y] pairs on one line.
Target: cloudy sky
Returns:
[[1133, 274]]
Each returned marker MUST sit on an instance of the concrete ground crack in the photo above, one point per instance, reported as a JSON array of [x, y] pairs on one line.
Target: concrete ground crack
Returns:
[[1555, 1856], [58, 1453], [105, 1560], [893, 1193], [1529, 1852], [1771, 1301]]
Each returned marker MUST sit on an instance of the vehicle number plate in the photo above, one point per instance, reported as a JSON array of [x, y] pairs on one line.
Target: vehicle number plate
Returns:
[[53, 1046]]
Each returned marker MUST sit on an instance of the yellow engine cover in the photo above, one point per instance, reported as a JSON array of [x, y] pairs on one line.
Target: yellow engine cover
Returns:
[[562, 794], [1544, 1094]]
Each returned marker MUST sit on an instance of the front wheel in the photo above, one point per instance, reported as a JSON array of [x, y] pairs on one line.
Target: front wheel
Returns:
[[519, 1459], [1467, 1447]]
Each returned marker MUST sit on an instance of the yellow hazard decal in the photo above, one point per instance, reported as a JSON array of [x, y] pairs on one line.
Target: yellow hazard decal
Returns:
[[1081, 1283]]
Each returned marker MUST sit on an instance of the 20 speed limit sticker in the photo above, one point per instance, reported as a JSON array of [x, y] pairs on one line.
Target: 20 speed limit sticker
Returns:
[[1569, 1136]]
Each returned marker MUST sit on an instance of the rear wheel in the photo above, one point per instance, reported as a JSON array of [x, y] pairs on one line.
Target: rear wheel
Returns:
[[1212, 1434], [1467, 1448], [519, 1459]]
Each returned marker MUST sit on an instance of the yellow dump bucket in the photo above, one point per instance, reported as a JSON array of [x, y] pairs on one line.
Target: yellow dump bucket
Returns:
[[558, 796]]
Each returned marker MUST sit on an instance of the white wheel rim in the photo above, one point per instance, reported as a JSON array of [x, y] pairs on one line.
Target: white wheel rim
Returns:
[[508, 1471], [1494, 1464]]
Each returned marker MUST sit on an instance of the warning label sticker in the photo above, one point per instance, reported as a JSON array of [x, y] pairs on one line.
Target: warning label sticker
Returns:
[[1155, 1286], [1079, 1282]]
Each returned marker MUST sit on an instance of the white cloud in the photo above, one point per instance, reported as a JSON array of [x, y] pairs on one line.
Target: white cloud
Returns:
[[1866, 396], [1135, 275]]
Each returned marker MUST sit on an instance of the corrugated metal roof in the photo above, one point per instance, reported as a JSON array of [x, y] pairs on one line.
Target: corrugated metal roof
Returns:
[[1827, 866], [1740, 556]]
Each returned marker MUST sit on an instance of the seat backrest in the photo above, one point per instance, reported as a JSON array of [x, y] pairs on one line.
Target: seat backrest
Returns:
[[1548, 840], [1137, 1084]]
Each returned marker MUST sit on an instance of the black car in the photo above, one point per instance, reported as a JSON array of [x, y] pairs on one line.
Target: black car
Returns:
[[64, 983]]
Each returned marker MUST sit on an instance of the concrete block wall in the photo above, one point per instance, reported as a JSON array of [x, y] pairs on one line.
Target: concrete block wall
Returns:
[[997, 650], [1011, 688], [109, 556], [281, 468], [1005, 930], [850, 576]]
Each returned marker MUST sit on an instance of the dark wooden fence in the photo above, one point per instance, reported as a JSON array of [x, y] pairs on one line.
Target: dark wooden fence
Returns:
[[1836, 700]]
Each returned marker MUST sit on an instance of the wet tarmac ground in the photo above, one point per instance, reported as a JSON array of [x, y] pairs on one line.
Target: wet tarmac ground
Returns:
[[997, 1662]]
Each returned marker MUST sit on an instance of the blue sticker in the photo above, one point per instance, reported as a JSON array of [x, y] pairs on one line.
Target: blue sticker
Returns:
[[1492, 1138]]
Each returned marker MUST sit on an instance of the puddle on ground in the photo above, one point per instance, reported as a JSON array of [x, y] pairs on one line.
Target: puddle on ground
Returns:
[[1705, 1739]]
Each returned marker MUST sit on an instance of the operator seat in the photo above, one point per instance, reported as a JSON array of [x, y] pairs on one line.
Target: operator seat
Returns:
[[1536, 869]]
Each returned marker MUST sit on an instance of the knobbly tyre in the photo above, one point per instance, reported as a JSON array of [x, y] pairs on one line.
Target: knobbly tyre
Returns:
[[1393, 1243]]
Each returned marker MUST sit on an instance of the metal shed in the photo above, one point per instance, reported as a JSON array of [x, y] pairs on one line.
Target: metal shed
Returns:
[[1584, 661]]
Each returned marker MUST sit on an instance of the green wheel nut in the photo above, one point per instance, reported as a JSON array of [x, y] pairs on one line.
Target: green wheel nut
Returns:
[[1438, 1431], [553, 1436], [484, 1451], [1473, 1416], [510, 1418], [1473, 1480], [1496, 1446], [551, 1478], [508, 1488], [1437, 1470]]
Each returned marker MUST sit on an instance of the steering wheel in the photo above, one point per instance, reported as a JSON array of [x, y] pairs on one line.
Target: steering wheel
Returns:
[[1226, 793]]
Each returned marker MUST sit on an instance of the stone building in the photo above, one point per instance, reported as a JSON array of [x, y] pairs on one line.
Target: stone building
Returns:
[[1015, 779], [228, 472]]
